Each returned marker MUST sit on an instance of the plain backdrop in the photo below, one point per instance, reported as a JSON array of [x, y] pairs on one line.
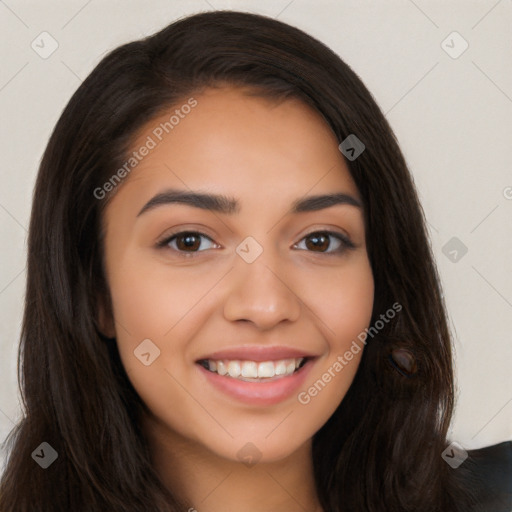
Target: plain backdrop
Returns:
[[439, 70]]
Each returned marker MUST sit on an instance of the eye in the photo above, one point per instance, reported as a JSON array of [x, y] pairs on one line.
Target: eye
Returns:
[[187, 241], [322, 242]]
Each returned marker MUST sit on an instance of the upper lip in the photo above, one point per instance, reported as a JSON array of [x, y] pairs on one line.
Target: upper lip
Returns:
[[257, 353]]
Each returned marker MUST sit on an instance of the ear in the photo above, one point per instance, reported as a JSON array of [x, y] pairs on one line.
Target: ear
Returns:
[[104, 317]]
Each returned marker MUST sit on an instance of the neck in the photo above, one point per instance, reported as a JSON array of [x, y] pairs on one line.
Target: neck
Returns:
[[207, 482]]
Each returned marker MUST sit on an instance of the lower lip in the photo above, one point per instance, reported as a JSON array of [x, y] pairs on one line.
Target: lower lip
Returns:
[[259, 393]]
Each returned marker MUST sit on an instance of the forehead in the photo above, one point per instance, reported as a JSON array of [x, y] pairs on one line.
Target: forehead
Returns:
[[231, 141]]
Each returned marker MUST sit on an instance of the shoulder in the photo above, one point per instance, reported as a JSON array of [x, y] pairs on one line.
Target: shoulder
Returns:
[[486, 474]]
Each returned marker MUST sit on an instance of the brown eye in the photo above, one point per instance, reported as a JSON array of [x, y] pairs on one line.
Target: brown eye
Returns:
[[318, 242], [186, 241], [326, 242]]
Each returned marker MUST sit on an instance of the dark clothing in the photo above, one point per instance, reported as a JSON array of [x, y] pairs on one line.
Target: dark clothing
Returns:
[[487, 474]]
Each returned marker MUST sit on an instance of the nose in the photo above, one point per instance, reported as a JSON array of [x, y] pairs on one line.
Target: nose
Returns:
[[259, 293]]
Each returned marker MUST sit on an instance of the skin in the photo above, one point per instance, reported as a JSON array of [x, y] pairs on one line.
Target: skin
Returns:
[[266, 155]]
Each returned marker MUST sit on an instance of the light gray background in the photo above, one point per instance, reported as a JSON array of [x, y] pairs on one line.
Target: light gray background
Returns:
[[452, 117]]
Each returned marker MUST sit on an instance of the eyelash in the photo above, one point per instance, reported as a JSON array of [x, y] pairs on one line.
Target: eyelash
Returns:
[[345, 242]]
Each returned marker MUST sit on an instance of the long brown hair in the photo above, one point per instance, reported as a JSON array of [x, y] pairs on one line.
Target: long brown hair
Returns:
[[381, 449]]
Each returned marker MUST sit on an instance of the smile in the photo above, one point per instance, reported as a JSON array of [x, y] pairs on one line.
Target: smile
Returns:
[[254, 371], [275, 380]]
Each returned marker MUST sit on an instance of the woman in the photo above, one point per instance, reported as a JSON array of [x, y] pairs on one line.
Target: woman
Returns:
[[231, 298]]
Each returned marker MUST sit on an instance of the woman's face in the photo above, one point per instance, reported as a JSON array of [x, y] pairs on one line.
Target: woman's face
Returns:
[[270, 270]]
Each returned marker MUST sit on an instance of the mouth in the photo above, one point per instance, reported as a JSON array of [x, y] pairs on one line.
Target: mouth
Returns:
[[254, 371], [256, 376]]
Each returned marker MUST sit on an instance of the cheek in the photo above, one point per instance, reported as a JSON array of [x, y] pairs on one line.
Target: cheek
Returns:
[[344, 305], [149, 298], [343, 301], [160, 303]]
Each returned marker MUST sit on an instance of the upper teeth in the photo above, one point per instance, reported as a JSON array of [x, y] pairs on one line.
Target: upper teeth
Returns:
[[254, 369]]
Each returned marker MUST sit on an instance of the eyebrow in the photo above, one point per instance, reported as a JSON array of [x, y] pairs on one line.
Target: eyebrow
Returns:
[[229, 205]]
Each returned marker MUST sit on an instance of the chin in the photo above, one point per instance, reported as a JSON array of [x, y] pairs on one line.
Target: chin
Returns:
[[260, 450]]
